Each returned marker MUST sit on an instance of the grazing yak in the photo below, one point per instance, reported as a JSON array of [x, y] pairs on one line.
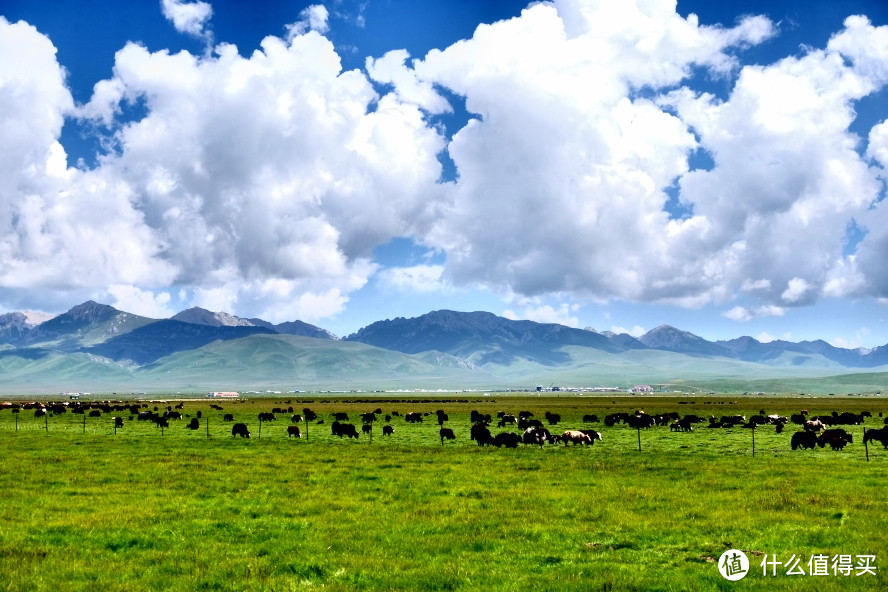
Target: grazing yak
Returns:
[[480, 434], [446, 434], [344, 429], [835, 438], [507, 439], [240, 429], [535, 436], [879, 435], [576, 437], [805, 439], [413, 417], [228, 417], [814, 425], [194, 424], [267, 416], [593, 435], [590, 418], [506, 418], [388, 430], [118, 422], [293, 431], [367, 428]]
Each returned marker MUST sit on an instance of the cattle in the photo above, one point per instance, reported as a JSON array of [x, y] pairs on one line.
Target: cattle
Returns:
[[95, 413], [194, 424], [506, 418], [552, 418], [524, 414], [681, 425], [691, 418], [798, 419], [368, 417], [848, 418], [293, 430], [240, 429], [732, 420], [442, 417], [804, 439], [880, 435], [641, 421], [388, 430], [367, 428], [476, 417], [446, 434], [340, 416], [344, 429], [834, 432], [118, 422], [814, 425], [576, 437], [593, 435], [590, 418], [836, 440], [779, 428], [267, 416], [414, 417], [535, 436], [480, 434], [507, 439], [172, 415], [296, 419], [228, 417], [309, 414]]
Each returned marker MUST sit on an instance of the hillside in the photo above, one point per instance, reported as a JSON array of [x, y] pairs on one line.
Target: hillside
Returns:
[[97, 347]]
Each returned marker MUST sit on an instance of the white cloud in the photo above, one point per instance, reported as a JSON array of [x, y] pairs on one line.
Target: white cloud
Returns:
[[187, 17], [418, 278], [137, 301], [545, 314], [743, 314], [312, 18], [635, 331], [263, 183]]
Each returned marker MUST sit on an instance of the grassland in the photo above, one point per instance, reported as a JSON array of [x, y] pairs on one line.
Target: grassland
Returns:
[[84, 508]]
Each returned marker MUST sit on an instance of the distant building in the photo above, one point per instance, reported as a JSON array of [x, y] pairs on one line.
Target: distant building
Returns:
[[228, 394], [642, 388]]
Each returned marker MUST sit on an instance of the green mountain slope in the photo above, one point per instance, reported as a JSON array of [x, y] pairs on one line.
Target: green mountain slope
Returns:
[[295, 362]]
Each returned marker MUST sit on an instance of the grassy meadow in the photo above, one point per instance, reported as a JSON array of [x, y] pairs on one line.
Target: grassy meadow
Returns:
[[83, 508]]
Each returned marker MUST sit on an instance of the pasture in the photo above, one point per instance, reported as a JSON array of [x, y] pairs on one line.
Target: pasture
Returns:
[[84, 508]]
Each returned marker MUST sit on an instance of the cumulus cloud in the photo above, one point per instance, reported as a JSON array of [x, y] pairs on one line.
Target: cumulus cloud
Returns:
[[188, 17], [260, 185], [312, 18]]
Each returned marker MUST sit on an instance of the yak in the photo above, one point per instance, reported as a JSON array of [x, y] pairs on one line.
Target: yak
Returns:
[[446, 434], [576, 437], [240, 429], [293, 431], [805, 439], [507, 439]]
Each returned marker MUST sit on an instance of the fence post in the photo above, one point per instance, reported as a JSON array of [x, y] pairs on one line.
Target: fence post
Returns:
[[208, 427], [306, 427], [638, 429], [84, 424], [753, 441], [259, 437], [46, 421], [865, 445]]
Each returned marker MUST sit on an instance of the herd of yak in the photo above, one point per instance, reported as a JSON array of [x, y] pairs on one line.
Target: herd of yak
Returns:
[[813, 431]]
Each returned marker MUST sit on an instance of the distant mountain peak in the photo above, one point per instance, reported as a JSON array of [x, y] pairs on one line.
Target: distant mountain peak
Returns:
[[202, 316]]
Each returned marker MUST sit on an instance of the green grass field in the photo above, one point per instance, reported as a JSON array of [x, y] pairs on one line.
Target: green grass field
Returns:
[[85, 509]]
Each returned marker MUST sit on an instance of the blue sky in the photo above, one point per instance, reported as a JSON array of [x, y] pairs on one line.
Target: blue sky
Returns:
[[600, 164]]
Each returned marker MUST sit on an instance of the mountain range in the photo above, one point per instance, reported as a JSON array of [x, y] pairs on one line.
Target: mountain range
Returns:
[[105, 348]]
